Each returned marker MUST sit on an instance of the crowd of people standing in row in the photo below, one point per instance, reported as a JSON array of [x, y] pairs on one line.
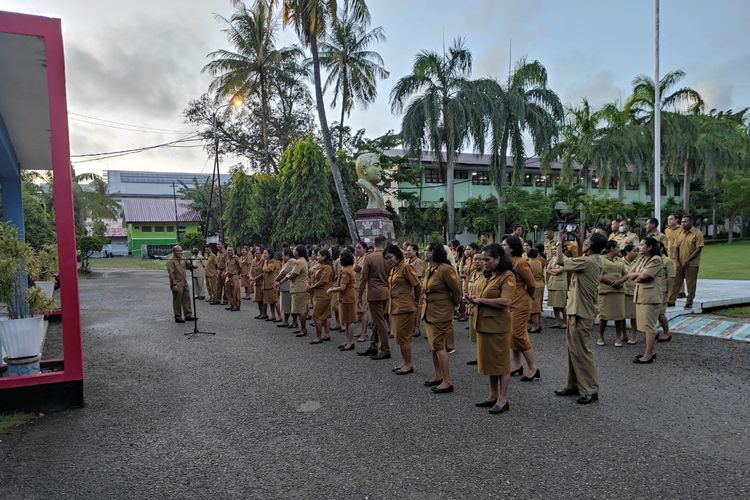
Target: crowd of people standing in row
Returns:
[[497, 288]]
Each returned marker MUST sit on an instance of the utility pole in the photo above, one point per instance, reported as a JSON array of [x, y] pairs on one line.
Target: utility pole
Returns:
[[176, 218], [657, 125]]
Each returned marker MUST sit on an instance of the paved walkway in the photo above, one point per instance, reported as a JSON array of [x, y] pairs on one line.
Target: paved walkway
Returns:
[[711, 326], [256, 413]]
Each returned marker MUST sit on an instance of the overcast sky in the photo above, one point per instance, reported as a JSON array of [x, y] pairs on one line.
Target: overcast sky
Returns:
[[139, 62]]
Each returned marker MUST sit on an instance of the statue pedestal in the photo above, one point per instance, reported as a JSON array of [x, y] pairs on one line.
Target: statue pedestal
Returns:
[[373, 222]]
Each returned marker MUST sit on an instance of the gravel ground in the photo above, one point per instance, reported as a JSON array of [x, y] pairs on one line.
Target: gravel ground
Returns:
[[256, 413]]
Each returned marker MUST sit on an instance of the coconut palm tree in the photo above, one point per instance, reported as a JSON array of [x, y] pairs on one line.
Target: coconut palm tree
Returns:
[[443, 110], [524, 105], [353, 70], [641, 103], [254, 64], [90, 199]]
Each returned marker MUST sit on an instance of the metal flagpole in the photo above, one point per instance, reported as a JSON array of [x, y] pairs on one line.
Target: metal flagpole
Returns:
[[657, 126]]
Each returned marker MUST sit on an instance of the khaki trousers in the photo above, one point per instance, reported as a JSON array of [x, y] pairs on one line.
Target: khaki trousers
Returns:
[[199, 287], [232, 291], [181, 301], [219, 288], [689, 276], [581, 367], [211, 285], [379, 338]]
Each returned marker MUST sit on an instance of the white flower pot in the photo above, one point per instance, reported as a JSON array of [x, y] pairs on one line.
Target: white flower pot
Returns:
[[48, 287], [20, 338]]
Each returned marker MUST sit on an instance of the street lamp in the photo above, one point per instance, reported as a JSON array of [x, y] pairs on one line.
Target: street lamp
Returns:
[[235, 103]]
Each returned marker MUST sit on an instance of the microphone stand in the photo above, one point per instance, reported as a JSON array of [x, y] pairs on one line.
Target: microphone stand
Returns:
[[195, 331]]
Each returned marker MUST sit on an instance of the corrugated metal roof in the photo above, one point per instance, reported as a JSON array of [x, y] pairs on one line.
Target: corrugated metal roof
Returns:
[[158, 210]]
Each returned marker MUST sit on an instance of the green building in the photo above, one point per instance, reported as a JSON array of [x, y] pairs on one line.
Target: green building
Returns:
[[157, 222]]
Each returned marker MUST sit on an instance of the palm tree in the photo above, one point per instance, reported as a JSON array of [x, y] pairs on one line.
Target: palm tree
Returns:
[[443, 110], [641, 103], [254, 65], [90, 199], [311, 19], [353, 70], [524, 105]]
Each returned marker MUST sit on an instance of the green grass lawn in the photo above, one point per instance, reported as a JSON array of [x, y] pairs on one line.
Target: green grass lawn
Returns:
[[13, 420], [126, 263], [726, 261], [734, 312]]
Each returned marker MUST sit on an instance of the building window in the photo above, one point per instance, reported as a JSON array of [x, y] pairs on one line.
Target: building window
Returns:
[[480, 179], [158, 229], [542, 180], [527, 180], [509, 178], [461, 174], [677, 189], [663, 189], [595, 183], [630, 186], [432, 176], [170, 229], [612, 183], [146, 229]]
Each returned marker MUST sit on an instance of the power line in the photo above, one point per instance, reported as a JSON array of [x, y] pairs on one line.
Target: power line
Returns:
[[115, 154], [80, 120], [125, 124]]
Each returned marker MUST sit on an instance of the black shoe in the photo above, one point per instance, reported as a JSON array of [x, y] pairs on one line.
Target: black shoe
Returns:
[[471, 363], [567, 392], [404, 372], [179, 320], [538, 374], [688, 306], [670, 304], [432, 383], [485, 404], [450, 350], [443, 390], [517, 372], [224, 303], [641, 355], [368, 352], [659, 339], [587, 399], [496, 410], [190, 318], [681, 295], [381, 355], [416, 334], [639, 360], [214, 303]]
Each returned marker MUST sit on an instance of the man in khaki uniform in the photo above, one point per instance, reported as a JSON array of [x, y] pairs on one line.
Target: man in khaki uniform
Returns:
[[581, 310], [688, 247], [374, 277], [232, 271], [211, 272], [624, 237], [177, 269], [549, 243], [199, 275], [221, 264], [412, 255], [652, 231], [614, 228], [671, 232]]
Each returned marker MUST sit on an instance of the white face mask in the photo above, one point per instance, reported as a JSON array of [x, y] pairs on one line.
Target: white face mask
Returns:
[[623, 229]]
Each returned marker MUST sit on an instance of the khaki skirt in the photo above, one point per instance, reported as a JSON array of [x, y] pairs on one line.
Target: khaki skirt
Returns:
[[299, 302], [611, 306], [493, 353], [402, 327], [647, 317], [270, 296], [557, 298], [437, 334], [258, 293], [347, 312], [321, 307], [536, 306], [472, 321], [629, 307], [519, 319], [245, 281]]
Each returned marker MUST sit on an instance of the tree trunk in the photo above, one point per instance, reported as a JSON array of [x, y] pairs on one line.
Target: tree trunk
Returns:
[[449, 195], [713, 222], [686, 190], [326, 133], [264, 124], [503, 171], [344, 100], [620, 190]]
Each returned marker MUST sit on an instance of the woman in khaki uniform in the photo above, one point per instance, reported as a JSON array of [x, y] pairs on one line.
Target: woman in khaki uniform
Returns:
[[285, 296], [271, 268], [520, 309], [245, 260], [411, 253], [442, 293], [347, 298], [405, 291], [256, 279], [557, 287], [360, 250], [298, 279], [211, 272], [322, 281], [611, 302], [311, 279], [492, 298], [536, 264], [629, 254], [336, 257], [477, 269], [648, 277], [669, 276]]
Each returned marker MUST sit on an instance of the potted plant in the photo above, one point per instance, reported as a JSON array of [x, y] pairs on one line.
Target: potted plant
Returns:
[[47, 270], [22, 332]]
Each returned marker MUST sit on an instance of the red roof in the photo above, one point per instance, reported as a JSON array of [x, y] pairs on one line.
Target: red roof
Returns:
[[158, 210]]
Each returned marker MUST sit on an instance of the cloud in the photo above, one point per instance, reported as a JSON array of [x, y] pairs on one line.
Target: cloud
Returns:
[[599, 90]]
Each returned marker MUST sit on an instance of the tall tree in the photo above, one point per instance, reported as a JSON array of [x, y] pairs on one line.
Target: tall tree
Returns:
[[254, 64], [90, 199], [237, 226], [442, 110], [311, 19], [353, 69], [524, 105]]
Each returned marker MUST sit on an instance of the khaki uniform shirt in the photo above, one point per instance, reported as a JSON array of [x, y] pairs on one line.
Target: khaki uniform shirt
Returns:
[[549, 248], [233, 266], [629, 285], [402, 281], [442, 293], [559, 282], [221, 260], [418, 266], [614, 269], [466, 270], [211, 269], [660, 237], [669, 273], [537, 270], [583, 292], [494, 319], [525, 283], [323, 274], [256, 270], [376, 275], [299, 284], [671, 234], [624, 239], [686, 243], [270, 271], [346, 280], [650, 292], [245, 264], [177, 270], [199, 268], [358, 261]]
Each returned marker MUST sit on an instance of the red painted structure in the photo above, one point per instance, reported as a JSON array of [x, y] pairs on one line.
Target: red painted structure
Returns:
[[43, 390]]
